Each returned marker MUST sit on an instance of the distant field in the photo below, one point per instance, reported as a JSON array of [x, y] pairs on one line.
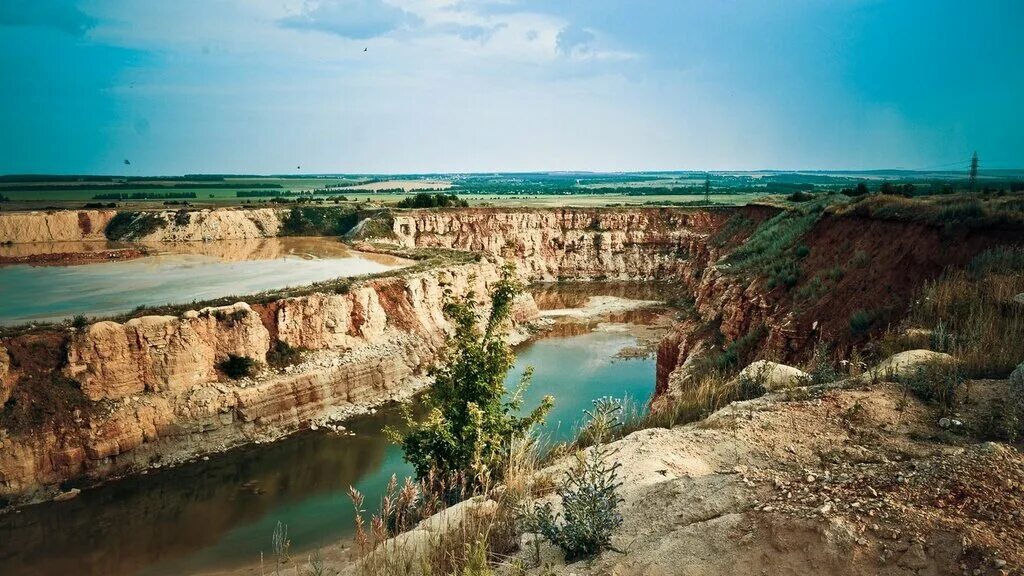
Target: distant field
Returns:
[[539, 189], [43, 194]]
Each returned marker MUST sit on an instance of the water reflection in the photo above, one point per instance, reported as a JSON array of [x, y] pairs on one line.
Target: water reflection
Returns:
[[557, 295], [221, 513], [206, 514], [178, 273]]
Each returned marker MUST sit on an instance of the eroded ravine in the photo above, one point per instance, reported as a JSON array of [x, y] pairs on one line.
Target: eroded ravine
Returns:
[[155, 376]]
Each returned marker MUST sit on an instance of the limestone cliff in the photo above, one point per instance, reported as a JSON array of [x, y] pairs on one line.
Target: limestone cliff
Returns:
[[626, 244], [159, 396], [568, 243], [54, 226], [210, 225], [189, 226]]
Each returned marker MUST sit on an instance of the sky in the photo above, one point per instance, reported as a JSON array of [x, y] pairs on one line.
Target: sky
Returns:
[[414, 86]]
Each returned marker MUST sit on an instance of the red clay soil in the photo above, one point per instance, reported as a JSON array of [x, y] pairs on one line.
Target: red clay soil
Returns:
[[73, 258], [884, 264]]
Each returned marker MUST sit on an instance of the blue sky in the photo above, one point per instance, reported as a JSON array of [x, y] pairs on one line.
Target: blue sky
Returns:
[[263, 86]]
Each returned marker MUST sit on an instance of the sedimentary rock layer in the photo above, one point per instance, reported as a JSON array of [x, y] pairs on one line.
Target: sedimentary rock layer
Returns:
[[53, 226], [158, 395]]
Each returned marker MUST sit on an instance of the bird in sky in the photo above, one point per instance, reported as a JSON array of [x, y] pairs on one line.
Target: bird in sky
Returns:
[[127, 163], [365, 49]]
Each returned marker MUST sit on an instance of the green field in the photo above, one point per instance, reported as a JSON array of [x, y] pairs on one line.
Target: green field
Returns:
[[540, 189]]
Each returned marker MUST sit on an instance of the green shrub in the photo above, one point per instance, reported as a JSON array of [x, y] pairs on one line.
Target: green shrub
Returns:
[[821, 369], [425, 200], [132, 225], [470, 425], [1001, 421], [317, 221], [771, 250], [282, 354], [737, 224], [800, 196], [938, 383], [236, 367], [750, 387], [861, 321], [590, 503], [79, 321], [601, 421]]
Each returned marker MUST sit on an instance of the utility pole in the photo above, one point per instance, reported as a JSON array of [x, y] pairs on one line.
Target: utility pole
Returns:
[[707, 188], [974, 171]]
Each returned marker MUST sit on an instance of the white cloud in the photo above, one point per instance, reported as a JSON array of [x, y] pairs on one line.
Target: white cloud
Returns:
[[359, 19]]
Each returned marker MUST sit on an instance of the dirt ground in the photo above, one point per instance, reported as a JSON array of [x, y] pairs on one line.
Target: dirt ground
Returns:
[[839, 481]]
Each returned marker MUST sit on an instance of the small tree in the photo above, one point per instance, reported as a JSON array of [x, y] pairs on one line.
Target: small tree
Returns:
[[472, 419]]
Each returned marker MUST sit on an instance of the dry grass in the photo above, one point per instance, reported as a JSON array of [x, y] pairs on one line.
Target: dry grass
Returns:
[[967, 210], [705, 394], [973, 314], [474, 536]]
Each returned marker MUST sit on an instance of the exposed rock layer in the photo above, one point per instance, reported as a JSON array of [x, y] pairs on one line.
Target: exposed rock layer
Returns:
[[55, 226], [163, 398]]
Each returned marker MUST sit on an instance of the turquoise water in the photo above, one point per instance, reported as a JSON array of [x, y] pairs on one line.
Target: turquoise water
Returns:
[[190, 273], [222, 512]]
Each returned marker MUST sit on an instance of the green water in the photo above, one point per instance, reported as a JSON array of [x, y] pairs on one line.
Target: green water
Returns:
[[221, 512]]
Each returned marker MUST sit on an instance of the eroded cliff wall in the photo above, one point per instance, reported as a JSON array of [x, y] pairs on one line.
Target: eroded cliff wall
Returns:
[[54, 226], [189, 226], [569, 243], [155, 393]]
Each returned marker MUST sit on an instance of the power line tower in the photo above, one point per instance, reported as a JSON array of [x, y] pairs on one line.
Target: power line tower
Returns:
[[707, 188], [974, 171]]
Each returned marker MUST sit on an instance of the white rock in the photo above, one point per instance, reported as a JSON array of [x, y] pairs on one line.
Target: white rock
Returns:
[[774, 376]]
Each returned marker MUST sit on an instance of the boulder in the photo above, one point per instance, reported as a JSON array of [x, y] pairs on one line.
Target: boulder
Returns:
[[774, 376], [905, 364], [1017, 378]]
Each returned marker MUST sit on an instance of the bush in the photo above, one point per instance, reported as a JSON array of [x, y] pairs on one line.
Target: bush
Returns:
[[311, 221], [860, 190], [79, 321], [590, 503], [470, 426], [601, 422], [938, 383], [236, 367], [973, 315], [861, 321], [425, 200], [132, 225], [283, 354], [800, 196]]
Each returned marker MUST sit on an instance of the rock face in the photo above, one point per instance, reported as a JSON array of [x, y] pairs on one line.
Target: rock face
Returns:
[[617, 244], [5, 368], [163, 353], [198, 226], [162, 396], [56, 226], [224, 224], [569, 243]]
